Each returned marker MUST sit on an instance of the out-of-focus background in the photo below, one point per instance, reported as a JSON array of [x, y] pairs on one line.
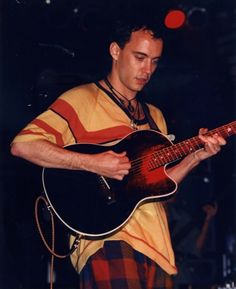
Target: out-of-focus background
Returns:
[[48, 46]]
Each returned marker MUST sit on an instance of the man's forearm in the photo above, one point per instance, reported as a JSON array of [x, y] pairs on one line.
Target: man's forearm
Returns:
[[212, 146], [47, 154], [183, 168]]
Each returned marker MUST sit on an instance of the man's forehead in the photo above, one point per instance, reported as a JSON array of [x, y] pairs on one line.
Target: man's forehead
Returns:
[[142, 35], [143, 39]]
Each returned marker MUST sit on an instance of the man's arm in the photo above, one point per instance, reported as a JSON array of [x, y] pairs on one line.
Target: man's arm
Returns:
[[210, 211], [109, 164], [49, 155]]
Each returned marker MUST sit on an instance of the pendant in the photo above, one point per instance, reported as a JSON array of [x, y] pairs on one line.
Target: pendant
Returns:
[[130, 107], [133, 125]]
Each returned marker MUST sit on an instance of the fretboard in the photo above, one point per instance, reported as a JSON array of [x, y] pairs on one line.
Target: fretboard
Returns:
[[180, 150]]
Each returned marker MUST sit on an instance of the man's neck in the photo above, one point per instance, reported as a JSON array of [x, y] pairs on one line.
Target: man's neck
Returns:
[[119, 87]]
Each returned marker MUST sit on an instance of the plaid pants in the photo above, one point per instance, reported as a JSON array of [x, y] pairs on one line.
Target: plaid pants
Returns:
[[118, 266]]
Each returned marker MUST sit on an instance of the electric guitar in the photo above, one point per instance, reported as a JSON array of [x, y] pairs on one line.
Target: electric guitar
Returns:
[[94, 206]]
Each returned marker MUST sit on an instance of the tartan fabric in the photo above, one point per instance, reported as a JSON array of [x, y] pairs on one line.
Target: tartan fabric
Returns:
[[118, 266]]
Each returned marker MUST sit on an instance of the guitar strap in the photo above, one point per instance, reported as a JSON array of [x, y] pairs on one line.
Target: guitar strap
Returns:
[[150, 120], [152, 123]]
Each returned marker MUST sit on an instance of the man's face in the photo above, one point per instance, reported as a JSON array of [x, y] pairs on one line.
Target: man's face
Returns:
[[137, 61]]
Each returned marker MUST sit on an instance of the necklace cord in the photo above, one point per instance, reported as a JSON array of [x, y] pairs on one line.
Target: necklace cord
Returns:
[[130, 107]]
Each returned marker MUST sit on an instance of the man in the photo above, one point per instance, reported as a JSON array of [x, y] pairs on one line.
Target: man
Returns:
[[139, 255], [189, 235]]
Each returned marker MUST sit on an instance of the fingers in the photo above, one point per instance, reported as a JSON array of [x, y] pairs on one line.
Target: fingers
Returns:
[[214, 139], [118, 165], [121, 175], [203, 130], [210, 210], [122, 154], [213, 142], [212, 147], [123, 165], [122, 159]]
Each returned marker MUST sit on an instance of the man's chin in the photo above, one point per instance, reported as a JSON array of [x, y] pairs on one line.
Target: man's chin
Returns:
[[139, 87], [140, 83]]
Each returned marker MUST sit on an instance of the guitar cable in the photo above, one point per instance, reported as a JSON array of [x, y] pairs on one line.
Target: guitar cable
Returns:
[[51, 248]]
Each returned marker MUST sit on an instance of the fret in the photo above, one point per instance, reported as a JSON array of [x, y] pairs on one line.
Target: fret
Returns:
[[181, 150], [152, 163], [197, 142], [175, 151], [188, 146], [161, 158], [168, 156]]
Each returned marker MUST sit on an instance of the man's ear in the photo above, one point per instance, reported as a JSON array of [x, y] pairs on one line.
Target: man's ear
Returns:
[[114, 50]]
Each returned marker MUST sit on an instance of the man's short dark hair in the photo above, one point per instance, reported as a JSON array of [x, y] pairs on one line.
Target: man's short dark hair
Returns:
[[123, 28]]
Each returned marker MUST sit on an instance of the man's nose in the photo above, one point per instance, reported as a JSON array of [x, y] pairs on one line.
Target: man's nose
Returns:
[[148, 68]]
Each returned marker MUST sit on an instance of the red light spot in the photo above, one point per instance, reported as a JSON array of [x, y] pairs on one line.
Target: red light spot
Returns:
[[175, 19]]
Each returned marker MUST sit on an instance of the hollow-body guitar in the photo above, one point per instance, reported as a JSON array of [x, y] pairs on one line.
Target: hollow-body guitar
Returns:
[[93, 205]]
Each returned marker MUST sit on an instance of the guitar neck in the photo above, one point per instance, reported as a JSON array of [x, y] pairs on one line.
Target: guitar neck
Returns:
[[182, 149]]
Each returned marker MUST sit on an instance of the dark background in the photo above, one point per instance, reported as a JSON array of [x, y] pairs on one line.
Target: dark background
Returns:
[[50, 46]]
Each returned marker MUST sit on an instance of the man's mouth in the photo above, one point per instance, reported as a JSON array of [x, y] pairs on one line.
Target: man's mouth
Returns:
[[142, 81]]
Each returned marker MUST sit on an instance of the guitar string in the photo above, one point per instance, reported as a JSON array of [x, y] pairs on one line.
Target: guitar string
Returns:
[[147, 164], [136, 164], [157, 159], [163, 153], [182, 144]]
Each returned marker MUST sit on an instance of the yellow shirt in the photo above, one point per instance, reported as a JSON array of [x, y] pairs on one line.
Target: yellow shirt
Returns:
[[86, 114]]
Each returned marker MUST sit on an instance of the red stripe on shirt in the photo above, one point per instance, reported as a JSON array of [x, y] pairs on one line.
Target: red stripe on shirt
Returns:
[[49, 129], [106, 135], [143, 241], [65, 110]]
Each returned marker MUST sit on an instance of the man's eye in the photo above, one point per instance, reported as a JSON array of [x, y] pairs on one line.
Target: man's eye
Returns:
[[156, 61], [139, 57]]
